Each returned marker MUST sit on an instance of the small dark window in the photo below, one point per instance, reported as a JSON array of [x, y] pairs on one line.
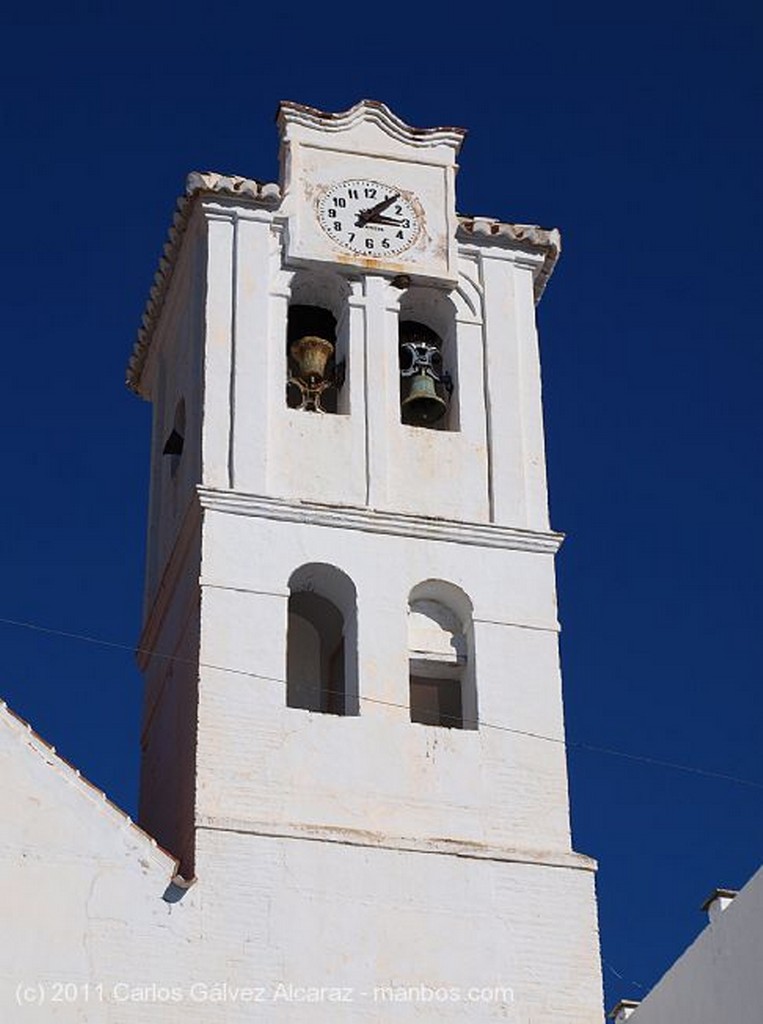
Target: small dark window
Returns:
[[173, 446], [437, 702]]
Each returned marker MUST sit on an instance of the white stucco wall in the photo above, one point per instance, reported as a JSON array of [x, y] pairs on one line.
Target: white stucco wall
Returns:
[[82, 890], [260, 761], [276, 927], [718, 978]]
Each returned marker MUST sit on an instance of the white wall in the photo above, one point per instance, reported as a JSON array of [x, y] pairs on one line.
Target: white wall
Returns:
[[81, 893], [261, 761], [94, 941], [718, 978]]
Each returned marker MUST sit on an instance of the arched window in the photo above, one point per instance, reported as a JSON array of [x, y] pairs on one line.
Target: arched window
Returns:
[[428, 359], [441, 659], [316, 343], [321, 645]]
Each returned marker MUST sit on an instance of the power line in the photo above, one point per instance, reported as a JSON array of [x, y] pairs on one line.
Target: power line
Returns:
[[567, 744]]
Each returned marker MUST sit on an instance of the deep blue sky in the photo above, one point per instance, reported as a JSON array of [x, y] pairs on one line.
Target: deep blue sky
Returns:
[[638, 134]]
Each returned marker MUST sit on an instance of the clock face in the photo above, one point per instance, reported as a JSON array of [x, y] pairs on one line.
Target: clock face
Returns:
[[369, 218]]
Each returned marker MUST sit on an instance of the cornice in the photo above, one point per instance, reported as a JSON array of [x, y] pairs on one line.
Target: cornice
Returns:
[[463, 848], [367, 111], [367, 520], [547, 242]]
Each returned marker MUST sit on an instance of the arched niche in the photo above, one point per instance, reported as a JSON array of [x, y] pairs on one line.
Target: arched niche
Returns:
[[318, 308], [434, 309], [321, 642], [441, 656]]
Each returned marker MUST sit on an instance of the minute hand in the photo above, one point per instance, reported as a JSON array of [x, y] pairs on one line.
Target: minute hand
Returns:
[[392, 221], [368, 215]]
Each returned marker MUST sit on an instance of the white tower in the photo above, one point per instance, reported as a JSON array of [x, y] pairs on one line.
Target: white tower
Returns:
[[353, 730]]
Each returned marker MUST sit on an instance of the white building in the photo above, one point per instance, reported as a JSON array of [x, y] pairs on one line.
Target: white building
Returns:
[[718, 978], [353, 730]]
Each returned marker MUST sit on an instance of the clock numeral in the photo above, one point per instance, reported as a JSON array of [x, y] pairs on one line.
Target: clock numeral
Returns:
[[406, 222], [331, 211], [369, 243], [340, 201], [398, 210], [385, 243], [352, 236], [399, 234], [337, 226], [353, 193], [370, 193]]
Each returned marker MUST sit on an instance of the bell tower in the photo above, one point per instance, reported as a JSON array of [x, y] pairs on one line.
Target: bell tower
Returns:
[[353, 729]]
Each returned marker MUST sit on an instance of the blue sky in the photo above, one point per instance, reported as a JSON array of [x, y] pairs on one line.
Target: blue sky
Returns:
[[637, 133]]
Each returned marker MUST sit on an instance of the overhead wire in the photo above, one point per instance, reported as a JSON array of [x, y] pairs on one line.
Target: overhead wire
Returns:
[[474, 723]]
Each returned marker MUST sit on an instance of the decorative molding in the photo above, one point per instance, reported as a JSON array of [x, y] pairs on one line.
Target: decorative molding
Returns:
[[367, 111], [367, 520], [381, 841], [547, 242], [232, 185]]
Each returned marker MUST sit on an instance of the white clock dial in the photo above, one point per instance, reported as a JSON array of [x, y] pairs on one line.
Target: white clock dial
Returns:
[[369, 218]]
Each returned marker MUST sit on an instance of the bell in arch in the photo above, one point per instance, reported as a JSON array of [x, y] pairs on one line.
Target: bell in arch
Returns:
[[421, 375], [422, 405], [311, 354]]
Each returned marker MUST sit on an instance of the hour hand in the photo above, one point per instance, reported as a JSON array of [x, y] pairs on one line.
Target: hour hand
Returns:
[[366, 216]]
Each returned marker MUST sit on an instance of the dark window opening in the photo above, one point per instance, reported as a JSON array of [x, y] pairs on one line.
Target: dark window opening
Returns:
[[441, 671], [315, 655], [436, 702], [173, 446]]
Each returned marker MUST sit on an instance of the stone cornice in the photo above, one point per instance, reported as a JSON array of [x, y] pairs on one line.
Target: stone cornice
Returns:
[[470, 849], [367, 520], [365, 111], [547, 242]]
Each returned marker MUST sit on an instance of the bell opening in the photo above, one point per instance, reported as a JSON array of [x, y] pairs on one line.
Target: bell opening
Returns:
[[313, 376], [423, 384]]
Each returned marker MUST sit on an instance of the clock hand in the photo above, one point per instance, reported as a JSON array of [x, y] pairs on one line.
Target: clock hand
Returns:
[[381, 219], [366, 215]]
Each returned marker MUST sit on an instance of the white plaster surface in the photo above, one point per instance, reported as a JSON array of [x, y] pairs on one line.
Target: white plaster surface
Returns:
[[275, 928], [718, 978]]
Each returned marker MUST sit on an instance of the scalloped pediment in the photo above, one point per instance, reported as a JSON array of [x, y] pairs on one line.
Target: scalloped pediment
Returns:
[[362, 123]]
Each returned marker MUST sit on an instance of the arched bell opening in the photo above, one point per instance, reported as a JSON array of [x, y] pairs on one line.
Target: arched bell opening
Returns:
[[427, 360], [316, 343], [441, 658], [321, 643]]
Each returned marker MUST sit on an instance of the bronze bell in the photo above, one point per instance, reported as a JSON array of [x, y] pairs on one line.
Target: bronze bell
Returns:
[[422, 405], [311, 355]]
